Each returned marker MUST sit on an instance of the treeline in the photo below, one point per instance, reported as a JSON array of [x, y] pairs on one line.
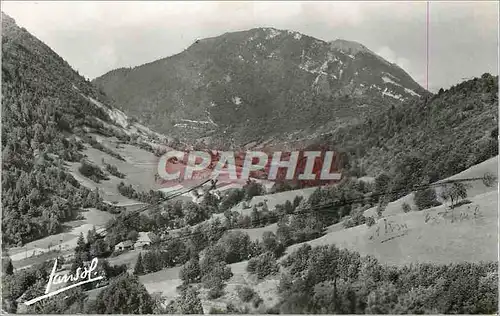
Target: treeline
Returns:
[[234, 196], [113, 170], [151, 197], [328, 280]]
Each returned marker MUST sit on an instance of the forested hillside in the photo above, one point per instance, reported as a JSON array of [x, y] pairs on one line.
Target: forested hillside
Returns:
[[42, 109], [426, 140]]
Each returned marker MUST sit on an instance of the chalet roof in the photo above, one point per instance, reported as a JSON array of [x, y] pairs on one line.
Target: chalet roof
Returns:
[[143, 237], [126, 243]]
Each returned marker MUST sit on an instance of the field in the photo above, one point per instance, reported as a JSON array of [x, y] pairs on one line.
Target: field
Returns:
[[64, 241], [408, 238], [256, 233], [165, 281], [477, 187], [139, 169]]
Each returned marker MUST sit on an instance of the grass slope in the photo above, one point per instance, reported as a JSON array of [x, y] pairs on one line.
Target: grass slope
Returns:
[[443, 240], [477, 187]]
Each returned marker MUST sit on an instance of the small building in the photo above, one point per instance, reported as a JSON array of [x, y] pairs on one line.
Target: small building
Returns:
[[124, 245], [143, 241]]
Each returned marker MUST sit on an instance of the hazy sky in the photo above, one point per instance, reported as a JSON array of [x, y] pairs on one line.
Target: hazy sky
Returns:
[[95, 37]]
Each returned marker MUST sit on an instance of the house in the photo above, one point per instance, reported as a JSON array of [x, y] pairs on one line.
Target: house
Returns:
[[143, 241], [124, 245]]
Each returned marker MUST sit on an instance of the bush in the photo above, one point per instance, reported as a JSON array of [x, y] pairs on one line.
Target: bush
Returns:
[[406, 207], [426, 198], [232, 198], [370, 221], [95, 144], [257, 300], [190, 271], [215, 292], [263, 265], [252, 189], [114, 171], [92, 172], [356, 219], [272, 244], [463, 202], [245, 293]]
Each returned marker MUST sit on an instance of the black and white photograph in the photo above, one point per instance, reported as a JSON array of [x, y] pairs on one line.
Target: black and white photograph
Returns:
[[250, 157]]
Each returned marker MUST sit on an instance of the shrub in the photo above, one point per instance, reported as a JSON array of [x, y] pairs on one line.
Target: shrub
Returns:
[[190, 272], [272, 244], [263, 265], [426, 198], [92, 172], [114, 171], [406, 207], [232, 198], [348, 223], [356, 219], [297, 200], [245, 293], [370, 221], [216, 292], [257, 300], [463, 202], [252, 189]]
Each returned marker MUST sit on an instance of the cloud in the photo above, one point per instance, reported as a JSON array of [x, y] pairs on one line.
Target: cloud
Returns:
[[389, 55]]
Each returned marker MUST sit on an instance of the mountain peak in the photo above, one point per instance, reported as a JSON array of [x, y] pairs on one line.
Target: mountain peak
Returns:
[[7, 18], [243, 82], [350, 47]]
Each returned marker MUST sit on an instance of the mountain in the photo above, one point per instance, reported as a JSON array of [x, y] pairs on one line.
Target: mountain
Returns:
[[50, 114], [259, 84]]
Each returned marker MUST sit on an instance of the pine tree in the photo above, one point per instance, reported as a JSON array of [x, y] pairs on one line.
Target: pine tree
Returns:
[[8, 268], [80, 244], [190, 302], [139, 269], [91, 236], [255, 216]]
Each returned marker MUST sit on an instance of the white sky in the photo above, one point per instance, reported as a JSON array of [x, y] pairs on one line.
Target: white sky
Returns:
[[95, 37]]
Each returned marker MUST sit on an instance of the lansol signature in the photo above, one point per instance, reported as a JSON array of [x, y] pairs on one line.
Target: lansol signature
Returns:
[[85, 276]]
